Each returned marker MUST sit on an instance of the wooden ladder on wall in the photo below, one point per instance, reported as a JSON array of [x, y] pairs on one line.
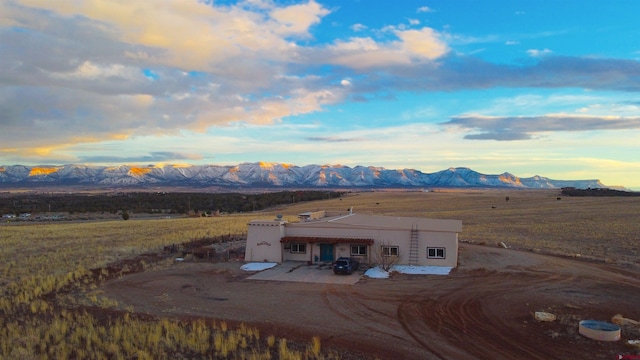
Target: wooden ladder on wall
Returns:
[[414, 245]]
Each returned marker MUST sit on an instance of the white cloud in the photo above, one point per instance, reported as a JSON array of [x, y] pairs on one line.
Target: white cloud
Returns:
[[210, 35], [356, 44], [424, 9], [412, 46], [538, 53], [358, 27], [297, 19], [424, 43]]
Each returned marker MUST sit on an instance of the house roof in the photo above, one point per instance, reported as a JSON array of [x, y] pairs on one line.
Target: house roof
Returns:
[[356, 220], [327, 240]]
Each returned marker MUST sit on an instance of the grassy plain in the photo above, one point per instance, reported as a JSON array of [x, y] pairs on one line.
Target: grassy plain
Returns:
[[601, 228], [41, 261]]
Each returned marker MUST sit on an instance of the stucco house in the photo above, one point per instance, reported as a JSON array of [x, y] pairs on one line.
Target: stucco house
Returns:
[[322, 236]]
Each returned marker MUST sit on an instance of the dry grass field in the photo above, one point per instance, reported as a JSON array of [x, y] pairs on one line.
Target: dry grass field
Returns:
[[49, 270], [599, 228]]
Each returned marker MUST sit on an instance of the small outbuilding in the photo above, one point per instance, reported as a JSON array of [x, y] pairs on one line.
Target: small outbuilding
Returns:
[[322, 237]]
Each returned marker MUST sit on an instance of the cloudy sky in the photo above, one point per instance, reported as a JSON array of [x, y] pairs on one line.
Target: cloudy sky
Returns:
[[547, 88]]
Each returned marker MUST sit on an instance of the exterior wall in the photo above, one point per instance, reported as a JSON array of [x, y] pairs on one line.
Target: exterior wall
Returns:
[[382, 237], [263, 241], [307, 256], [344, 250], [449, 241], [400, 238], [339, 250]]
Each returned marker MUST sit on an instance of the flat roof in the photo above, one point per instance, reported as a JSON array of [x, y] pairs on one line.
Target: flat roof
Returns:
[[382, 222], [327, 240]]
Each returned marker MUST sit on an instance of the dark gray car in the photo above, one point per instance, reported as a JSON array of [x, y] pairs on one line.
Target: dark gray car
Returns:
[[345, 265]]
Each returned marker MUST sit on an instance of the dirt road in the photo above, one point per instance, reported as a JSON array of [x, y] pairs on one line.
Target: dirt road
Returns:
[[482, 310]]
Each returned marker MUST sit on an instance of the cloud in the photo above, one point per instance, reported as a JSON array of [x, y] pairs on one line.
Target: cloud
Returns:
[[504, 128], [410, 47], [538, 53], [454, 72], [115, 70], [153, 157], [424, 43], [297, 19], [424, 9], [210, 35], [358, 27], [330, 139]]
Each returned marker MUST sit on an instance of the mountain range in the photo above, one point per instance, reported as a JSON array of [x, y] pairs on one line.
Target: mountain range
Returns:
[[271, 175]]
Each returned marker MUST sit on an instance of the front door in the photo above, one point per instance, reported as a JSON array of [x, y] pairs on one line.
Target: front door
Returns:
[[326, 252]]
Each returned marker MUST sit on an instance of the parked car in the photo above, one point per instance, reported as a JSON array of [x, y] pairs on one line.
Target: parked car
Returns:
[[345, 265]]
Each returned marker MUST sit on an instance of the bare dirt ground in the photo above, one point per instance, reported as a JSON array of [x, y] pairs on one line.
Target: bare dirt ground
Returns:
[[483, 310]]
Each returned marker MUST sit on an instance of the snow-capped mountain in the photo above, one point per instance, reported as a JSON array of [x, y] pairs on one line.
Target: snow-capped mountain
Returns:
[[278, 175]]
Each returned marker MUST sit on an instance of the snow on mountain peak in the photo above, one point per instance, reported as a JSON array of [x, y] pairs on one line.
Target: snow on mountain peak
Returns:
[[43, 170], [272, 174]]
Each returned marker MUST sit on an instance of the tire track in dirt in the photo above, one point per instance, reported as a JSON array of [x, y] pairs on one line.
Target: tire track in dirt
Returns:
[[354, 307], [466, 322], [480, 317]]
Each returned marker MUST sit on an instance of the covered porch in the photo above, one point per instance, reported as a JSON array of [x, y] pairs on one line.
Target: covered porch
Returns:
[[325, 249]]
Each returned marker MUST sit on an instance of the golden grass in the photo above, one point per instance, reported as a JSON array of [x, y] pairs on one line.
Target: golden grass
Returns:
[[39, 260], [42, 258]]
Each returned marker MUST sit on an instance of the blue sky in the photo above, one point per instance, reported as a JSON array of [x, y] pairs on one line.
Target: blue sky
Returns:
[[545, 88]]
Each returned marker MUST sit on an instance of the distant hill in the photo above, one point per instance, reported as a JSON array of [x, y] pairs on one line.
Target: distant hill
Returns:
[[270, 175], [597, 192]]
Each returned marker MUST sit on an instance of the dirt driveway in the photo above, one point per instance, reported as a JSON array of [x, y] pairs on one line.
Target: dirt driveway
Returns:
[[482, 310]]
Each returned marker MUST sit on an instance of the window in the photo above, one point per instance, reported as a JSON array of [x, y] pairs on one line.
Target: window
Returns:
[[299, 248], [358, 250], [435, 253], [390, 251]]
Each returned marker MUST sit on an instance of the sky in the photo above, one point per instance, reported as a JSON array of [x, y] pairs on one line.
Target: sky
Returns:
[[548, 88]]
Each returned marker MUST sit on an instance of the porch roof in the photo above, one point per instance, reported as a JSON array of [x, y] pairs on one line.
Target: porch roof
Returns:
[[325, 240]]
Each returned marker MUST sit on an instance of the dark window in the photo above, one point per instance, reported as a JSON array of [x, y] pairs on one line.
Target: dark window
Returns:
[[390, 251], [436, 253], [358, 250], [299, 248]]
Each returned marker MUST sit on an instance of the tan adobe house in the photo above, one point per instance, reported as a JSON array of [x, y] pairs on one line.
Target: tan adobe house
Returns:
[[323, 237]]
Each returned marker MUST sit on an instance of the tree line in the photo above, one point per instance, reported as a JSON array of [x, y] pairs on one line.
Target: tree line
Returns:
[[154, 202], [597, 192]]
